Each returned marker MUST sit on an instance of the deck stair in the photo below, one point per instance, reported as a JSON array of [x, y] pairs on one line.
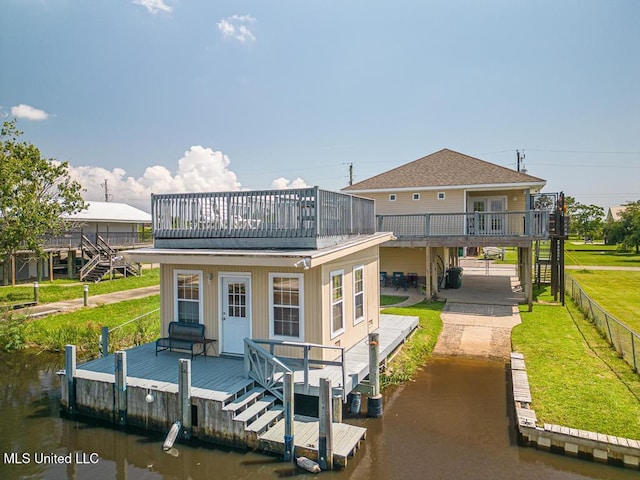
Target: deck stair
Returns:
[[250, 415], [103, 259], [542, 262]]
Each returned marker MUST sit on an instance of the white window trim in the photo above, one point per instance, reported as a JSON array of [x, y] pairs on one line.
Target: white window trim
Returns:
[[357, 320], [415, 197], [200, 293], [441, 195], [392, 197], [300, 277], [340, 331]]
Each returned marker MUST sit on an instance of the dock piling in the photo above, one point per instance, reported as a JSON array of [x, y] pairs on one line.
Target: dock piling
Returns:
[[325, 425], [121, 387], [70, 373], [289, 446], [374, 401], [184, 393], [337, 405]]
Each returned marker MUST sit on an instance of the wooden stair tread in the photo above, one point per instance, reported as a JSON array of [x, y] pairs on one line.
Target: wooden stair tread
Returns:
[[271, 415], [243, 401], [255, 409]]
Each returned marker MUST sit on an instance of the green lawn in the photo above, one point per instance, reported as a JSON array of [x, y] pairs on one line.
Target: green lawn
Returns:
[[617, 292], [576, 379], [391, 300], [64, 290], [415, 352], [82, 327], [598, 254]]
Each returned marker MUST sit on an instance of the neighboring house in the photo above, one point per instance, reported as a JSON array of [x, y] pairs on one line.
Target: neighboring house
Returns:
[[120, 225], [446, 201], [615, 213], [283, 265]]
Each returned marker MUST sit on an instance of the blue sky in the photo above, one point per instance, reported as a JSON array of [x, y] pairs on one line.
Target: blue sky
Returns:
[[168, 95]]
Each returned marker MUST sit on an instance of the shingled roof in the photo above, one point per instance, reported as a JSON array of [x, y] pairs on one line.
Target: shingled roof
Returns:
[[445, 168]]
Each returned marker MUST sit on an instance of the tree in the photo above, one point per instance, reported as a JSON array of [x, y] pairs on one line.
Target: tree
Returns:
[[34, 193], [626, 231], [586, 220]]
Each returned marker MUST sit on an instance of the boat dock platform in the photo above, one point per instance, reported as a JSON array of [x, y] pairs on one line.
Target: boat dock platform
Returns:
[[224, 406]]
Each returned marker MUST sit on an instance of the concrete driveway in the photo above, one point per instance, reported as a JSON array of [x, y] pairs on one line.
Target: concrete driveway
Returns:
[[478, 317]]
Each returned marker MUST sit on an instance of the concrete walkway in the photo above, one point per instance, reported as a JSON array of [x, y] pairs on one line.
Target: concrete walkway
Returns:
[[45, 309], [413, 296], [478, 317]]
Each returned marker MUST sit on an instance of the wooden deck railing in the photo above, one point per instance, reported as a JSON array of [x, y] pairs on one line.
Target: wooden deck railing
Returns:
[[530, 223], [267, 364], [73, 239], [289, 215]]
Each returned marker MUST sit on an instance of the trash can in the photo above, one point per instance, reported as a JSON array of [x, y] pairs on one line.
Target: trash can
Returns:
[[454, 277]]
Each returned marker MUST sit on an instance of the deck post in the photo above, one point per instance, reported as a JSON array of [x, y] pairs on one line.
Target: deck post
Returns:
[[337, 405], [289, 445], [529, 279], [51, 266], [13, 270], [70, 373], [184, 396], [374, 401], [121, 387], [325, 425], [427, 287], [104, 342]]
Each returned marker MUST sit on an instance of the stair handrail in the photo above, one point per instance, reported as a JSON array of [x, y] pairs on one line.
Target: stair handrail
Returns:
[[89, 266], [105, 247], [89, 246], [264, 368]]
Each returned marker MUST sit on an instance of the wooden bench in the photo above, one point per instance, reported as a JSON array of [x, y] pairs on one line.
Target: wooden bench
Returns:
[[185, 336]]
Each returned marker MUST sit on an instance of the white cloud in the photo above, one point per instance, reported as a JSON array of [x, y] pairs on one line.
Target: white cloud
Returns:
[[154, 6], [28, 112], [199, 170], [236, 27], [282, 183]]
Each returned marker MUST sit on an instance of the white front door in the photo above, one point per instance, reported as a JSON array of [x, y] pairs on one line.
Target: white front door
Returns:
[[236, 313]]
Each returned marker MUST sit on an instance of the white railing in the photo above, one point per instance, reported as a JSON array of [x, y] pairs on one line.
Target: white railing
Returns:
[[296, 213], [531, 223], [266, 367]]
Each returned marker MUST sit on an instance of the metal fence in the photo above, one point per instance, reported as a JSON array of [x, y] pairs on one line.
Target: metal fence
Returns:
[[621, 337]]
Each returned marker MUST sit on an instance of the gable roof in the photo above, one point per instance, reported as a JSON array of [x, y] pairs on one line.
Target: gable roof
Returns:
[[615, 213], [110, 212], [446, 168]]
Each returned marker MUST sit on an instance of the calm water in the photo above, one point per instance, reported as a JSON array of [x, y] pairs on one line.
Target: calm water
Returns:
[[451, 422]]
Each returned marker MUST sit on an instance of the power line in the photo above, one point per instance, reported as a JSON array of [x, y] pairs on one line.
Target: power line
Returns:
[[584, 151]]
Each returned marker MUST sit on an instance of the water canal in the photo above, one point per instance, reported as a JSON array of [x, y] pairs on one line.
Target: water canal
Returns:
[[452, 422]]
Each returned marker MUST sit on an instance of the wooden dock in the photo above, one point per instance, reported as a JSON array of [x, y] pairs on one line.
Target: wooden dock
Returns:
[[213, 398]]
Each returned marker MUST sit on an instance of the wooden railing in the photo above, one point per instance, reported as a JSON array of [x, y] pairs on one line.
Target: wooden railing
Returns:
[[530, 223], [119, 239], [264, 368], [306, 213], [306, 361]]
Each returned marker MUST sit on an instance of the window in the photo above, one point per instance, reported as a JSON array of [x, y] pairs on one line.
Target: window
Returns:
[[358, 294], [337, 303], [286, 306], [187, 288], [392, 197], [441, 195], [416, 196]]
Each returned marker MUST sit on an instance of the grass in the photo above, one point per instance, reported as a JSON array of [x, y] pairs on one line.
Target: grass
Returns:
[[64, 290], [618, 292], [386, 300], [599, 255], [577, 380], [82, 327], [414, 353]]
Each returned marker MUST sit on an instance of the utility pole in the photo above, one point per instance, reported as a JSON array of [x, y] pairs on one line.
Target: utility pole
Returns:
[[350, 174], [520, 158], [107, 196]]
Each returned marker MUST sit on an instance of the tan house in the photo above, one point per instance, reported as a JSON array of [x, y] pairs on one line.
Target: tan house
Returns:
[[282, 266], [446, 201], [615, 213]]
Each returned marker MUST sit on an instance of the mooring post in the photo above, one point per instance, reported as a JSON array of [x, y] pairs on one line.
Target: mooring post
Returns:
[[325, 437], [184, 396], [289, 446], [104, 342], [70, 373], [121, 387], [36, 288], [337, 405], [374, 401], [86, 295]]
